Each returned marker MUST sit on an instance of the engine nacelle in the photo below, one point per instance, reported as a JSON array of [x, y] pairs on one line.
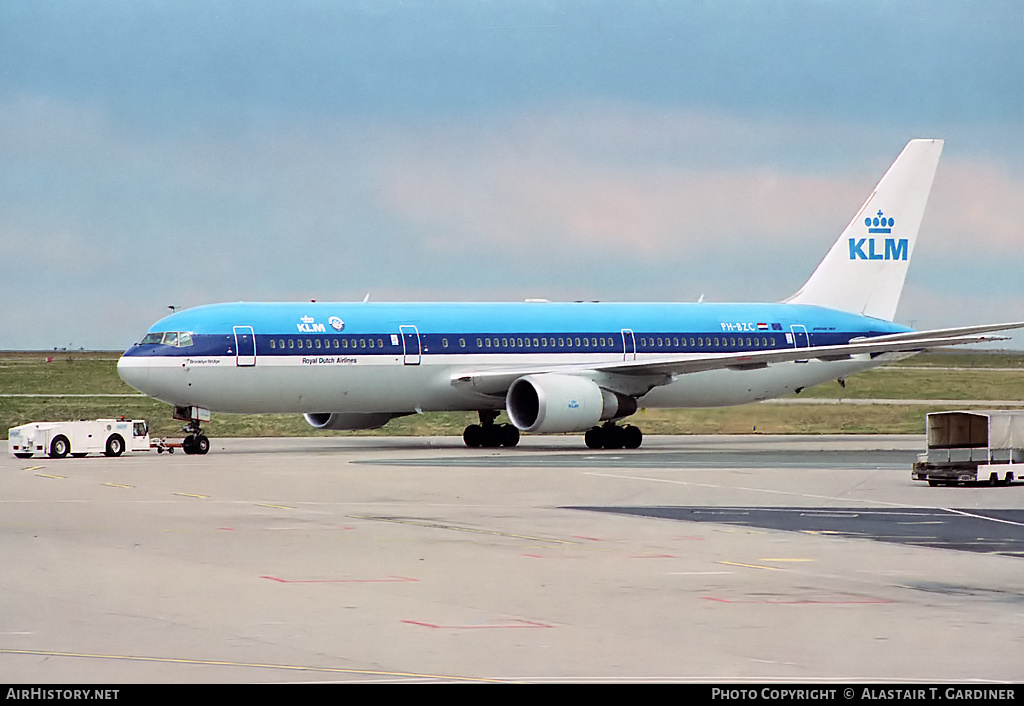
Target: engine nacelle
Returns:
[[340, 421], [552, 403]]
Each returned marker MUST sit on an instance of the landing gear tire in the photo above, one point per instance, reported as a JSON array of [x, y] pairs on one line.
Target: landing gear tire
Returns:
[[609, 436], [509, 435], [489, 435], [195, 444], [202, 445], [473, 436], [633, 437]]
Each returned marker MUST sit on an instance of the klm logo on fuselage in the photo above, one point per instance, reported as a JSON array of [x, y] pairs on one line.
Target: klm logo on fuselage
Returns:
[[308, 326], [871, 248]]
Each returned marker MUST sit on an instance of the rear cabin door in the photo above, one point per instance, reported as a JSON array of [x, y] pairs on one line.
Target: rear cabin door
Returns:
[[628, 345], [800, 338], [245, 346]]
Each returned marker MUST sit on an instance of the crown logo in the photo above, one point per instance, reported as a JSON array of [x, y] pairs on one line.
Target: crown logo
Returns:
[[879, 224], [308, 319]]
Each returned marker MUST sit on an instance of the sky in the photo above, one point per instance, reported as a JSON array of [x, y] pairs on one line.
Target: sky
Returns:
[[178, 153]]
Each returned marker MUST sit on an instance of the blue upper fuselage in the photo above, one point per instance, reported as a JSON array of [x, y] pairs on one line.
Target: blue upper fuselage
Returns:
[[453, 328]]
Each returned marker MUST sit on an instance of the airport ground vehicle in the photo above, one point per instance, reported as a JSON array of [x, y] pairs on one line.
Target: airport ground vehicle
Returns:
[[111, 437], [967, 447]]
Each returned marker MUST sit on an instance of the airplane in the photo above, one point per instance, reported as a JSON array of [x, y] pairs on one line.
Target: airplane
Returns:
[[553, 367]]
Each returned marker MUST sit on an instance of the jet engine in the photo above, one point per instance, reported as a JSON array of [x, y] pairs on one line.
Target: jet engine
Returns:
[[551, 403], [340, 421]]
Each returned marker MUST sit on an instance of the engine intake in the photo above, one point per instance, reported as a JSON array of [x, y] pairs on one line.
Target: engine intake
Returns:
[[552, 403]]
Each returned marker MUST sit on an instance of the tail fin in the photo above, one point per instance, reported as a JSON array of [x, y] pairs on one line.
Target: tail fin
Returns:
[[864, 271]]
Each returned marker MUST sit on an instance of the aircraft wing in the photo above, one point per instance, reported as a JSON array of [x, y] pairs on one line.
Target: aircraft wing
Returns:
[[634, 377]]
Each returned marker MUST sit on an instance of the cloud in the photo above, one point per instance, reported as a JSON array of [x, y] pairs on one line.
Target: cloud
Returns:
[[580, 201]]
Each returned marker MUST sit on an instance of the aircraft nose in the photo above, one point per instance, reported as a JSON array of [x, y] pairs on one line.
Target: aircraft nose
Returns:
[[133, 371]]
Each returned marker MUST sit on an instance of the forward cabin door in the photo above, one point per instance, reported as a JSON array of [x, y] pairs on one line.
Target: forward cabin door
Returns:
[[410, 344], [245, 346]]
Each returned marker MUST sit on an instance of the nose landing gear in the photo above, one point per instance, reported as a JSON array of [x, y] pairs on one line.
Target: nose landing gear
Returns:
[[195, 442]]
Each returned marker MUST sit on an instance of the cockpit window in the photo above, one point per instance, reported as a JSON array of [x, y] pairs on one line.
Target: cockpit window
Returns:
[[169, 338]]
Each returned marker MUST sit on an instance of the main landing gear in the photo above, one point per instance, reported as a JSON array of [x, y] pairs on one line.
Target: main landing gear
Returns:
[[609, 436], [488, 434]]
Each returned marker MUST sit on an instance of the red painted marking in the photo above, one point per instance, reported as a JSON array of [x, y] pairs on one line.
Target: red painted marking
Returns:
[[533, 556], [227, 529], [516, 624], [654, 556], [863, 601], [392, 579], [592, 539]]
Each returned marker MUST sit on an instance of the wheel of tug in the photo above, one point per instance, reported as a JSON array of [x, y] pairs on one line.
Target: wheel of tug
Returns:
[[115, 445], [59, 447]]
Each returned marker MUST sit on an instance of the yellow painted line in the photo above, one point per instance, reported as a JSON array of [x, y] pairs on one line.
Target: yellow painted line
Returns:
[[256, 665], [278, 507], [117, 485], [750, 566], [191, 495], [47, 475], [34, 468]]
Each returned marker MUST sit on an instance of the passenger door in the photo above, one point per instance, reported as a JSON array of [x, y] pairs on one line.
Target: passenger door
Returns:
[[245, 346]]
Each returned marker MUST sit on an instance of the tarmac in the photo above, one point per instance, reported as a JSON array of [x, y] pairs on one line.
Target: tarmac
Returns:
[[380, 559]]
